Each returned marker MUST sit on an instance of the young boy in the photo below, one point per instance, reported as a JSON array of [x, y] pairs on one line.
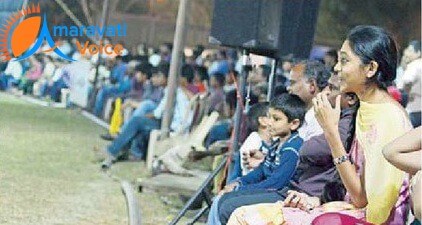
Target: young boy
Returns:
[[286, 114], [256, 145]]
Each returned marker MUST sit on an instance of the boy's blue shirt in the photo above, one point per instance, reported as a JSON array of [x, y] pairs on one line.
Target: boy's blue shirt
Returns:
[[277, 169]]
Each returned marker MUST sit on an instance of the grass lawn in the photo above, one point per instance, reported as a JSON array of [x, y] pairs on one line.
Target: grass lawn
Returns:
[[49, 173]]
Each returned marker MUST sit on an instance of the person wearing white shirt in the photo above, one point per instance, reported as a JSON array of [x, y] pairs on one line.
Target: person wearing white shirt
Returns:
[[412, 81]]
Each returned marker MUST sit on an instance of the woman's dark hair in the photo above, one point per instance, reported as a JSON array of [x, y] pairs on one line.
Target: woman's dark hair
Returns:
[[291, 105], [257, 110], [372, 43]]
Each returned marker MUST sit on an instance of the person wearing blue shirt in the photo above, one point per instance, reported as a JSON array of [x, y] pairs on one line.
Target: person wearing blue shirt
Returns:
[[139, 127], [120, 84], [286, 113]]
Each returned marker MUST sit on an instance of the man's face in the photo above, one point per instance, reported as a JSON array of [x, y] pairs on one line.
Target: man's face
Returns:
[[299, 85], [158, 79]]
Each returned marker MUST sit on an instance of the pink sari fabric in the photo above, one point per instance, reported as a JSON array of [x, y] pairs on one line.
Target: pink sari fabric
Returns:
[[337, 218]]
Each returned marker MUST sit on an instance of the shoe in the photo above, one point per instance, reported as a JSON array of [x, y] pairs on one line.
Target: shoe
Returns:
[[196, 204], [107, 137], [108, 161]]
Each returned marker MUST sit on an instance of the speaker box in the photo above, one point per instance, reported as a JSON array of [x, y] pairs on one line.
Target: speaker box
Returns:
[[273, 28]]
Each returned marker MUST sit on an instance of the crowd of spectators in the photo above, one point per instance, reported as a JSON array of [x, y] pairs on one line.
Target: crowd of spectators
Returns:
[[287, 152]]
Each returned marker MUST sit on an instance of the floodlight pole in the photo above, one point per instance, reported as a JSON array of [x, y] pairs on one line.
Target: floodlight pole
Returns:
[[176, 60]]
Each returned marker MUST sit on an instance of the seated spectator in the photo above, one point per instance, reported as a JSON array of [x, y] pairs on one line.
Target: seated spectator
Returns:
[[377, 190], [12, 74], [255, 147], [307, 79], [330, 59], [231, 78], [286, 114], [119, 84], [217, 96], [258, 80], [154, 92], [41, 86], [140, 83], [220, 65], [188, 77], [139, 127], [201, 78], [32, 75], [411, 80], [315, 174]]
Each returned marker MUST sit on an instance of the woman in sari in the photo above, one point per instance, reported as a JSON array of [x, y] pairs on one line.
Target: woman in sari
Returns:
[[377, 191]]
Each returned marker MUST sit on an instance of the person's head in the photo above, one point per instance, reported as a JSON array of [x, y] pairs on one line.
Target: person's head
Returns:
[[231, 76], [143, 72], [231, 101], [307, 79], [187, 75], [260, 74], [279, 90], [221, 55], [217, 81], [201, 74], [368, 59], [413, 51], [257, 117], [330, 59], [286, 114], [333, 90], [160, 75]]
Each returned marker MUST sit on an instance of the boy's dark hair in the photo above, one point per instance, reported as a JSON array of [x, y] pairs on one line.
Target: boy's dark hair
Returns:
[[257, 110], [291, 105], [145, 68], [164, 68], [220, 78], [188, 72]]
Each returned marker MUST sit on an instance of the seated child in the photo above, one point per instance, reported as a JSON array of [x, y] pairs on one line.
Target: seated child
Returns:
[[286, 114]]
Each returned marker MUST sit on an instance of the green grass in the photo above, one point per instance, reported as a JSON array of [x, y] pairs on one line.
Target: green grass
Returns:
[[49, 173]]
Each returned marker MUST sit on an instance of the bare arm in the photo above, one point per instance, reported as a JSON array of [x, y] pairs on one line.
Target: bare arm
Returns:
[[405, 152], [328, 118]]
